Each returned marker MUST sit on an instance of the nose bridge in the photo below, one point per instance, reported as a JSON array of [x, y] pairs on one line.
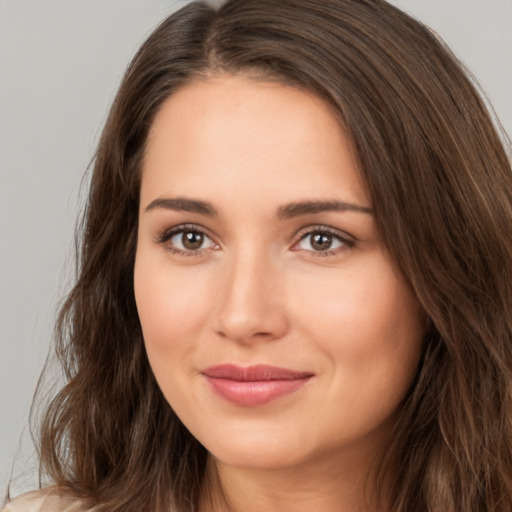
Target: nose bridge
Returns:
[[250, 301]]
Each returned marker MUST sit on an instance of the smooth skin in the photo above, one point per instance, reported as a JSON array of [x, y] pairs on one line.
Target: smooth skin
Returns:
[[235, 265]]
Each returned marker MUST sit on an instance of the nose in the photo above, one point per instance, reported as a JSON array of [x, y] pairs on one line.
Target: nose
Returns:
[[251, 303]]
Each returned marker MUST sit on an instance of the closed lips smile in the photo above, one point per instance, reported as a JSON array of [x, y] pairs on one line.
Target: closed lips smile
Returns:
[[254, 385]]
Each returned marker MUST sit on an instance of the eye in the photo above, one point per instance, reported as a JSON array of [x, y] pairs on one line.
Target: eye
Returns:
[[187, 240], [323, 242], [319, 242]]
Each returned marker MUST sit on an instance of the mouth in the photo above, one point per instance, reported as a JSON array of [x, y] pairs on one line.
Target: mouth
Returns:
[[254, 385]]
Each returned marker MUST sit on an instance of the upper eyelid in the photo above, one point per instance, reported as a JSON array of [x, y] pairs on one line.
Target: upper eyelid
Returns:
[[167, 233], [320, 228]]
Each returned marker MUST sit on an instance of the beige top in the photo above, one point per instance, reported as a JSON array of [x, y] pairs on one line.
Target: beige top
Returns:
[[45, 500]]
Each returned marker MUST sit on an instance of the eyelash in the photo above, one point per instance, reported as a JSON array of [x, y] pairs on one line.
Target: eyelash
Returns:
[[183, 228], [347, 241]]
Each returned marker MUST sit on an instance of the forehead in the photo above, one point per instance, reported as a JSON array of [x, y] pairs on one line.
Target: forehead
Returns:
[[230, 130]]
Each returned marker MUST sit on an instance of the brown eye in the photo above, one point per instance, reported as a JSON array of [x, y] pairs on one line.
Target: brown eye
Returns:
[[192, 240], [321, 241], [189, 241]]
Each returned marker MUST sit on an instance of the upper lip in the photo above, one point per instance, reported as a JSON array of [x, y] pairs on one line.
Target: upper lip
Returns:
[[254, 373]]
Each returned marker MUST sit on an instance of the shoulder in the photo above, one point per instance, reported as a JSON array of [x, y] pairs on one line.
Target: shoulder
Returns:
[[44, 500]]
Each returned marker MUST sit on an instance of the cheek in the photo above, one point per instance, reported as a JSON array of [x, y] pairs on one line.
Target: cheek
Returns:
[[366, 306], [172, 303], [370, 327]]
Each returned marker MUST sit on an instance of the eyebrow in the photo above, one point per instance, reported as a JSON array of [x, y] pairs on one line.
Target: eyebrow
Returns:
[[183, 204], [307, 207], [287, 211]]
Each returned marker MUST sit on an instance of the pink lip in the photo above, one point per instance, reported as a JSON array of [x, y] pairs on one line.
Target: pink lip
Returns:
[[254, 385]]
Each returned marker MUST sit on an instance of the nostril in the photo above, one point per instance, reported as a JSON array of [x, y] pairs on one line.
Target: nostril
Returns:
[[262, 334]]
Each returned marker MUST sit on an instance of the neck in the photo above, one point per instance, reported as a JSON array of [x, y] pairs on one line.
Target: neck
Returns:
[[319, 485]]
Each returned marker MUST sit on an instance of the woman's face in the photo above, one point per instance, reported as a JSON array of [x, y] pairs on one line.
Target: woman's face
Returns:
[[275, 322]]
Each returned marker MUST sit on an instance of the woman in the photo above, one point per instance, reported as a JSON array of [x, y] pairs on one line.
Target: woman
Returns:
[[294, 286]]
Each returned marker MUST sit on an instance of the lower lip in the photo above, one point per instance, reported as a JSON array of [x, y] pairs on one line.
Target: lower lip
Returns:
[[253, 393]]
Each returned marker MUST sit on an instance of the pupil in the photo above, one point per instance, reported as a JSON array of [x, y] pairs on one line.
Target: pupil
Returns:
[[192, 240], [321, 242]]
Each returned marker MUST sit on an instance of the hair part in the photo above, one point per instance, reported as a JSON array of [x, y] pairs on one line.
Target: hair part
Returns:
[[441, 186]]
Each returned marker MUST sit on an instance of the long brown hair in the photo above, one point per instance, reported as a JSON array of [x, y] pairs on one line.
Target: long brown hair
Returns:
[[441, 185]]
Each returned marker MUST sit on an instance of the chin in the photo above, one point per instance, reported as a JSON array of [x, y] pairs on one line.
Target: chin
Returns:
[[260, 449], [258, 458]]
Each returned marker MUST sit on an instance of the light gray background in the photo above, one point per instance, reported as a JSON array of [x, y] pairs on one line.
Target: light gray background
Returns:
[[60, 64]]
